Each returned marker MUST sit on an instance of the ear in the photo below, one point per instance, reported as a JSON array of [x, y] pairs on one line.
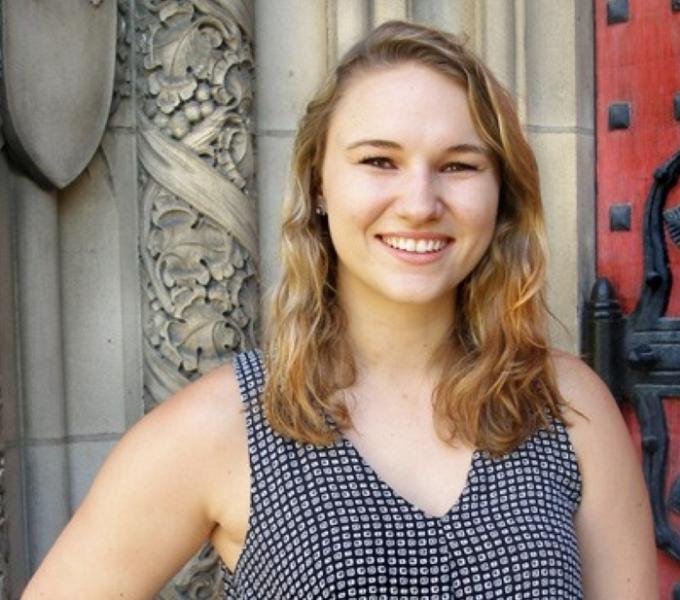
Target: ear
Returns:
[[315, 184]]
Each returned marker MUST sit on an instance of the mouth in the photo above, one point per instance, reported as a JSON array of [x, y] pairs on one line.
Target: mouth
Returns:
[[416, 245]]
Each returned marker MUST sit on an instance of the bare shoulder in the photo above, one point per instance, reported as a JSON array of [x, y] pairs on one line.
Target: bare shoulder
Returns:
[[207, 410], [201, 425], [613, 522], [580, 386], [181, 465], [590, 408], [596, 426]]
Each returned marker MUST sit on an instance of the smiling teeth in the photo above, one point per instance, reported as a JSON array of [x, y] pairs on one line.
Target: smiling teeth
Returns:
[[411, 245]]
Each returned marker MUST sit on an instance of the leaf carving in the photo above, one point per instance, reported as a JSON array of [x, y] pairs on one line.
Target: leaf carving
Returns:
[[199, 282], [203, 338]]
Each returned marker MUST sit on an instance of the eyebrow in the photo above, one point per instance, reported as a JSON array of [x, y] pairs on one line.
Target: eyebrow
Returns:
[[387, 144]]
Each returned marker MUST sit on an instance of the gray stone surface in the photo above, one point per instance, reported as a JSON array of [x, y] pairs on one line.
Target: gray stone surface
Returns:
[[42, 421], [39, 310], [85, 456], [47, 497], [570, 259], [386, 10], [16, 520], [497, 22], [559, 116], [551, 64], [13, 533], [586, 226], [291, 61], [93, 264], [274, 152], [119, 153], [348, 21], [458, 16], [58, 63], [292, 57]]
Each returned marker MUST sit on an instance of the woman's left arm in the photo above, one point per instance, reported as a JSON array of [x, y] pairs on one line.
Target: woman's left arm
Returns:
[[613, 522]]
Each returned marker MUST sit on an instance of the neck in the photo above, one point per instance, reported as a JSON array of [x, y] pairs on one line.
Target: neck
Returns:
[[395, 341]]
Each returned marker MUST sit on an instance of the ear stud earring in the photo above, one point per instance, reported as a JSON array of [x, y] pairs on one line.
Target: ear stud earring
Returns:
[[320, 210]]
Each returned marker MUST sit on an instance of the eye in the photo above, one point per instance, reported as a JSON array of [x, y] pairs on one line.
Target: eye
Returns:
[[380, 162], [455, 167]]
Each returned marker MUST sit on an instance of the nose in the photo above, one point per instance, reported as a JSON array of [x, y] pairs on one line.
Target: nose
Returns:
[[419, 200]]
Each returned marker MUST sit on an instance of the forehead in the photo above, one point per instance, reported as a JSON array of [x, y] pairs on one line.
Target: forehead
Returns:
[[409, 101]]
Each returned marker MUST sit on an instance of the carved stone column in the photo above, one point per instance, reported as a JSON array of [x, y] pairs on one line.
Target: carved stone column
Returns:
[[198, 241]]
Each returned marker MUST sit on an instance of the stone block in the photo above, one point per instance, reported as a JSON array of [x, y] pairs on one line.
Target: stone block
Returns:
[[39, 310], [586, 223], [119, 151], [46, 497], [9, 341], [15, 513], [100, 313], [551, 70], [584, 53], [86, 457], [567, 184], [498, 43], [349, 21], [387, 10], [290, 59], [457, 17], [559, 157], [272, 181]]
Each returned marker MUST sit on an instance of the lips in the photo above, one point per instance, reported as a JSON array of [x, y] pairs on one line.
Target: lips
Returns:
[[416, 243]]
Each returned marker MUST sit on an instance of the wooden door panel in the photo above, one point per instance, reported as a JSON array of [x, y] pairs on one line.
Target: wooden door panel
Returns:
[[634, 325]]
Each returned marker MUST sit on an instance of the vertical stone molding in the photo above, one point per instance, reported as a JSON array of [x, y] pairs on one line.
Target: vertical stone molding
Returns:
[[13, 532], [560, 124], [198, 241], [498, 41], [5, 274], [387, 10], [4, 541], [348, 21], [42, 417], [292, 59], [458, 17]]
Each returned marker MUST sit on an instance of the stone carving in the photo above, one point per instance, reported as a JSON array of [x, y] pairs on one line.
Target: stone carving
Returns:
[[70, 82], [122, 88], [198, 242]]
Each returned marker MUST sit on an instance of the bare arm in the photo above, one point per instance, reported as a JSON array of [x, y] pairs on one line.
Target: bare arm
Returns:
[[155, 501], [613, 523]]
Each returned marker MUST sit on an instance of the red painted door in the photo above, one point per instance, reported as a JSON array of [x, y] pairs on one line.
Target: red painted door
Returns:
[[638, 132]]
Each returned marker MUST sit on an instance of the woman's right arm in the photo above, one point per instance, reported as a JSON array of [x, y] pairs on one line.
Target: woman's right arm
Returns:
[[155, 501]]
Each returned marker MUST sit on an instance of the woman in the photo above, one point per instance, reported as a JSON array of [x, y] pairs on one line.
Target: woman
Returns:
[[415, 437]]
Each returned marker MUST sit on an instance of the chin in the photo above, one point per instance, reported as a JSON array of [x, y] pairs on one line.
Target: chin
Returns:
[[419, 296]]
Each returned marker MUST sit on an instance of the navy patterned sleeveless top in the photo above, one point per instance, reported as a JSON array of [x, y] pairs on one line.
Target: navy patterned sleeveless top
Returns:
[[323, 525]]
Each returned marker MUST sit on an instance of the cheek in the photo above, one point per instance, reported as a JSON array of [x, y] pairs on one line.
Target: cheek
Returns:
[[485, 212], [480, 217]]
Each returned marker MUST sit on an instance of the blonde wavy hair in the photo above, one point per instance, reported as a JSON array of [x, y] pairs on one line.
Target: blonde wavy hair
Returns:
[[498, 385]]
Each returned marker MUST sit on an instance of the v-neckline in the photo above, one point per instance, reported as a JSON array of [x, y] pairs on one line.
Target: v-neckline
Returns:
[[375, 476]]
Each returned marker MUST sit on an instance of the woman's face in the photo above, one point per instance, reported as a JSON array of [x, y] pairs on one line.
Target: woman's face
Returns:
[[410, 189]]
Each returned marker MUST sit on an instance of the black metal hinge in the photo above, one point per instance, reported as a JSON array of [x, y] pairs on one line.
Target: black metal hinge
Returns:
[[638, 355]]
